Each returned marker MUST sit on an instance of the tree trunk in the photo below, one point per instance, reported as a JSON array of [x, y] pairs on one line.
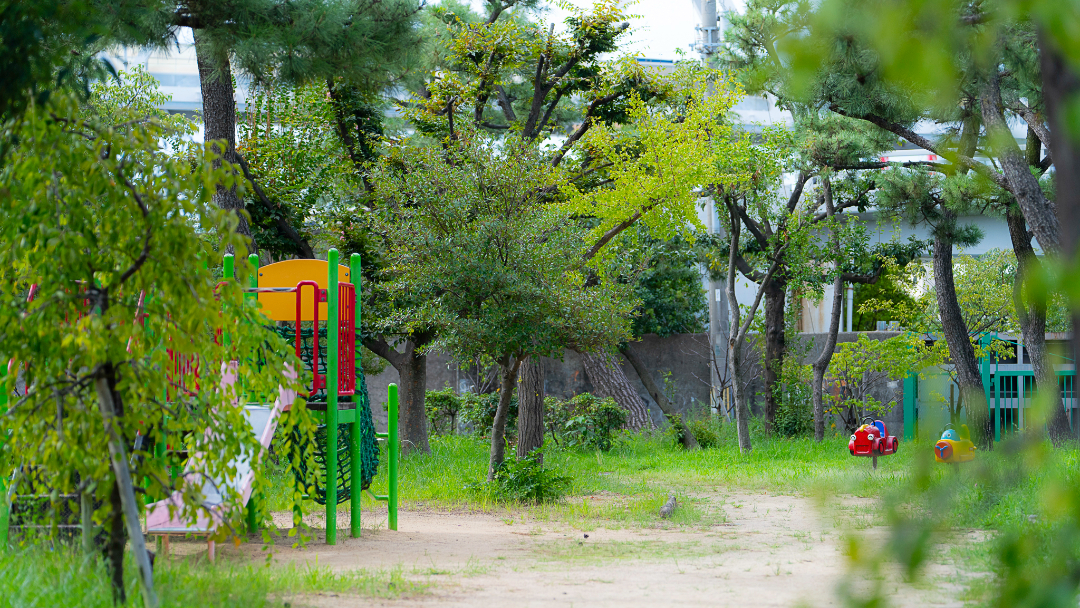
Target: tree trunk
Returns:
[[411, 366], [821, 365], [961, 351], [742, 412], [509, 368], [608, 380], [219, 122], [412, 424], [531, 409], [737, 335], [775, 347], [1033, 326], [1038, 211], [1061, 86], [114, 546], [125, 491], [688, 440]]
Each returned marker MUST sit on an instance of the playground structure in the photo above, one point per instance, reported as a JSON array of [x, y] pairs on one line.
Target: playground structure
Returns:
[[872, 439], [320, 315]]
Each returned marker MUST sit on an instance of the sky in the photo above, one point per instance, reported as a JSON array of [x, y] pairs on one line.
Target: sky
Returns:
[[663, 26]]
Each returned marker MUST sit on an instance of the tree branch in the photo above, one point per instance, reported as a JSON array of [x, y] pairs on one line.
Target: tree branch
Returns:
[[796, 194], [617, 228], [382, 348], [505, 104], [577, 134], [924, 143], [280, 222], [1034, 121]]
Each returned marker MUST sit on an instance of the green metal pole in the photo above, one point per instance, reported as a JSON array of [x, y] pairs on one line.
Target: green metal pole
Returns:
[[228, 272], [5, 510], [997, 406], [253, 500], [331, 396], [909, 406], [986, 340], [392, 431], [356, 469]]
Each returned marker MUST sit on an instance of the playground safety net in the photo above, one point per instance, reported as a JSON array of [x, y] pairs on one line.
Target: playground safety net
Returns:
[[369, 447]]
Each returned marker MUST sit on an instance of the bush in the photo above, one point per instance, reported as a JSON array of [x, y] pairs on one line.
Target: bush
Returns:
[[676, 432], [707, 432], [795, 417], [478, 410], [591, 422], [794, 412], [527, 480], [443, 408]]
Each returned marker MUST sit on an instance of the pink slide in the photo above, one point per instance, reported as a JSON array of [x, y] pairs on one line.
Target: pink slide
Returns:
[[263, 420]]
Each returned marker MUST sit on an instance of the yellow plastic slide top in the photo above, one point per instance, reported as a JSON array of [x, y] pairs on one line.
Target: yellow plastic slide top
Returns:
[[282, 306]]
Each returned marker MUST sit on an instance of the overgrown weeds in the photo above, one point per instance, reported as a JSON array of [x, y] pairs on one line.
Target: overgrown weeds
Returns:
[[36, 576]]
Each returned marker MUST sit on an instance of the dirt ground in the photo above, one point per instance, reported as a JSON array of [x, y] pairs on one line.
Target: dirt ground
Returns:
[[758, 550]]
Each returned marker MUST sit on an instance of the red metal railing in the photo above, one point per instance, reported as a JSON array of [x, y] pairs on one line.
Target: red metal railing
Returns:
[[346, 339]]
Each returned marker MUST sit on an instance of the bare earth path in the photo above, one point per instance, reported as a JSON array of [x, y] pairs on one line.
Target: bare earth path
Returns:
[[759, 550]]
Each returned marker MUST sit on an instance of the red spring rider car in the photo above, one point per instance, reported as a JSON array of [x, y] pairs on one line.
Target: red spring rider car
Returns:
[[872, 439]]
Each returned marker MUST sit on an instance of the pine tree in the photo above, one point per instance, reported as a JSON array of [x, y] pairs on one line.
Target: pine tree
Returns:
[[296, 42]]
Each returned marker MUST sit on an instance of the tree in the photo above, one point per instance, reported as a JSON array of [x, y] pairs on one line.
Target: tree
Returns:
[[298, 42], [827, 145], [838, 68], [50, 46], [107, 228], [511, 78], [287, 138], [476, 61], [499, 269], [862, 366], [890, 290], [671, 302], [917, 45]]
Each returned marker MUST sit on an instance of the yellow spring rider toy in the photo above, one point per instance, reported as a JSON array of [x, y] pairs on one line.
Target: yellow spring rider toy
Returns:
[[954, 446]]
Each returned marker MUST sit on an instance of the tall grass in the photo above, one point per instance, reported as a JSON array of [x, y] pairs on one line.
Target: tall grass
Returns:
[[41, 577]]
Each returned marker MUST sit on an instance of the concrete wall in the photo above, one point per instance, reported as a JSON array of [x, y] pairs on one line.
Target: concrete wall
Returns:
[[685, 356]]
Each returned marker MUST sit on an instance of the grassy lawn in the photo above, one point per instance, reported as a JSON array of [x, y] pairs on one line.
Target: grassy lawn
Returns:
[[39, 577], [622, 488], [627, 485]]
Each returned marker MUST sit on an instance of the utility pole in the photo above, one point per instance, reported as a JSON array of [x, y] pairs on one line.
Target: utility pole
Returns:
[[709, 30], [707, 44]]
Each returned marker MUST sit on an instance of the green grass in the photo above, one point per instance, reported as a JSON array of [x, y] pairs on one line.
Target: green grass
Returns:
[[627, 485], [624, 488], [39, 577]]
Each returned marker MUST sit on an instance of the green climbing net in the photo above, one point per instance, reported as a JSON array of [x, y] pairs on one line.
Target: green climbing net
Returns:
[[369, 447]]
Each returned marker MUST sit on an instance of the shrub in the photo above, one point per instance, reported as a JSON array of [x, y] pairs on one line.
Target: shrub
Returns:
[[794, 412], [676, 432], [527, 480], [795, 416], [478, 410], [706, 432], [592, 422], [443, 408]]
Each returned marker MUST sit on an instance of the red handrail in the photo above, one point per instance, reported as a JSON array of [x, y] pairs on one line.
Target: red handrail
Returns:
[[346, 339], [317, 381]]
